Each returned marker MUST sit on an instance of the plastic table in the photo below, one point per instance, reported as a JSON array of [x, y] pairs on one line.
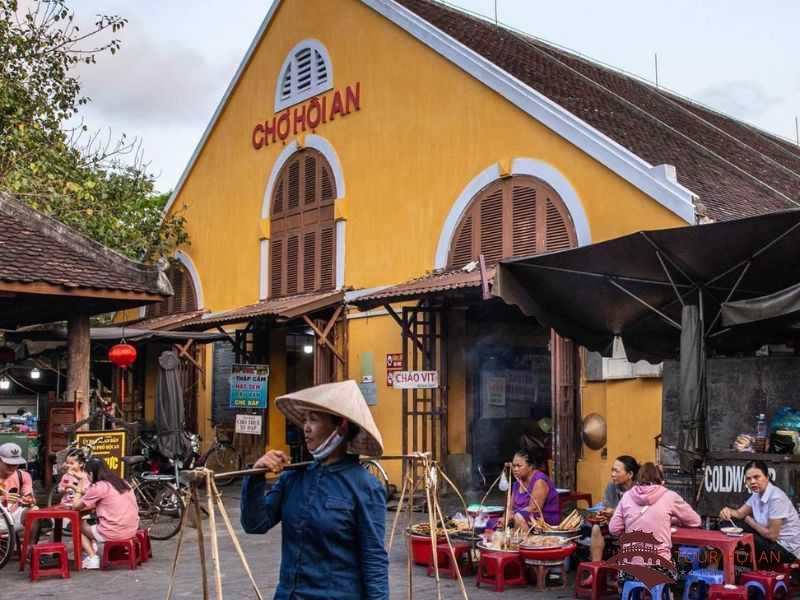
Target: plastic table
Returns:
[[685, 536], [57, 513]]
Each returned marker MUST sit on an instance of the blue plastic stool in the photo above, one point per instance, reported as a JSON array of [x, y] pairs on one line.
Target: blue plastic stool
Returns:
[[702, 578], [632, 587], [689, 555]]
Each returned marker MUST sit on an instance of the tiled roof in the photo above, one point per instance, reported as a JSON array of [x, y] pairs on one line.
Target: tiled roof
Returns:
[[37, 249], [434, 283], [290, 307], [734, 168]]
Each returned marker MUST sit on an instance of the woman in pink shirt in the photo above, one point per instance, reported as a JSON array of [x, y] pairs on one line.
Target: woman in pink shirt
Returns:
[[648, 507], [115, 505]]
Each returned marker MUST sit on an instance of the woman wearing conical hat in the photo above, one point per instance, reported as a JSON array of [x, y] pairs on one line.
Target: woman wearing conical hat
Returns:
[[332, 513]]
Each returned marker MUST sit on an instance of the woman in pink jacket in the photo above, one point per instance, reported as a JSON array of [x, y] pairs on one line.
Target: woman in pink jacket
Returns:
[[649, 507]]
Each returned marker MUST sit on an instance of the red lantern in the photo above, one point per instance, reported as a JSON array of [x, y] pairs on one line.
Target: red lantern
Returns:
[[122, 355]]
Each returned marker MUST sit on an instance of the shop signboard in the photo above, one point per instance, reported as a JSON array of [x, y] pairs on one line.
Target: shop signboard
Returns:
[[394, 363], [248, 424], [108, 445], [722, 478], [248, 386], [415, 380]]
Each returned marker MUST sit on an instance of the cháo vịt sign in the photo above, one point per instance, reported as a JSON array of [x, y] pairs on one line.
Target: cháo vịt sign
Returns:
[[249, 386], [108, 445], [415, 380]]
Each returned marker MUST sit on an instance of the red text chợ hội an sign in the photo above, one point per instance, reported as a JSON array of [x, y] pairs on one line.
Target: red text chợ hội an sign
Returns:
[[307, 116]]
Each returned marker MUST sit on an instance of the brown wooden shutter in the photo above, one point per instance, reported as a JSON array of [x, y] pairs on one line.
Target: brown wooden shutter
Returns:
[[309, 261], [328, 193], [558, 229], [276, 268], [277, 203], [327, 278], [294, 184], [516, 216], [292, 255], [310, 179], [491, 234], [524, 232], [462, 252], [303, 229]]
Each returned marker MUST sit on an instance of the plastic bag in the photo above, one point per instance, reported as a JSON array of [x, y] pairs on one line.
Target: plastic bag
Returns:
[[786, 417], [503, 485]]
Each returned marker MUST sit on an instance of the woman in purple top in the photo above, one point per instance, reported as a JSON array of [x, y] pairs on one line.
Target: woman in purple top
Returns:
[[531, 488]]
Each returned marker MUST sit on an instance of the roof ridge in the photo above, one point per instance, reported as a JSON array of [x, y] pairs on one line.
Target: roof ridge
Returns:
[[652, 117], [51, 227]]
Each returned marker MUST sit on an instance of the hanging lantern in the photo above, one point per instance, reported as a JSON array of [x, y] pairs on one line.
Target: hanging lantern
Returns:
[[7, 354], [122, 355]]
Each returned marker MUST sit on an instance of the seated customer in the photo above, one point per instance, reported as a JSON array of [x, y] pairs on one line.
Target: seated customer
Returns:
[[770, 515], [650, 508], [16, 481], [531, 491], [623, 472], [115, 505]]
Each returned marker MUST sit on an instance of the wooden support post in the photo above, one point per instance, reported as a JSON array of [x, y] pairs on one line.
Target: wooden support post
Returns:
[[79, 352]]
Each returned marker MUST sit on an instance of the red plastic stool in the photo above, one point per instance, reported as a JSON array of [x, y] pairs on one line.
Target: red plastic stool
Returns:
[[591, 580], [143, 535], [120, 553], [727, 592], [792, 572], [770, 585], [494, 568], [463, 553], [43, 549]]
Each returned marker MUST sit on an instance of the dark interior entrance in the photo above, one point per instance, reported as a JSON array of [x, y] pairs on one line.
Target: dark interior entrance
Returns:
[[300, 349]]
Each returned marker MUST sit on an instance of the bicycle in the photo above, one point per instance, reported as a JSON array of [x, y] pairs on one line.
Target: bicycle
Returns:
[[376, 469], [221, 457]]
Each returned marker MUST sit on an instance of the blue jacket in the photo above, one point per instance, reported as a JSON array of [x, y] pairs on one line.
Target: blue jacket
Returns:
[[333, 524]]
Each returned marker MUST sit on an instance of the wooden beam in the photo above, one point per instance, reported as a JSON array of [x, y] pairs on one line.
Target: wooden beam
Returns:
[[332, 321], [49, 289], [183, 351], [79, 352], [316, 330], [405, 331]]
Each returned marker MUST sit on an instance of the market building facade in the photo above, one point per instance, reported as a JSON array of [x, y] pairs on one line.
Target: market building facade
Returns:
[[369, 164]]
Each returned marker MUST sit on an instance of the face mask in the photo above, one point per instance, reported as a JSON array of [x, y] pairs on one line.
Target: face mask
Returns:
[[325, 449]]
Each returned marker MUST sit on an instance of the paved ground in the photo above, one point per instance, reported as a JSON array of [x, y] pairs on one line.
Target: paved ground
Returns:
[[150, 581]]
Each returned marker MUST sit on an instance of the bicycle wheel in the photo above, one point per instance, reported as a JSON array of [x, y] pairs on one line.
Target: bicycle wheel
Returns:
[[377, 471], [223, 459], [160, 508], [7, 537]]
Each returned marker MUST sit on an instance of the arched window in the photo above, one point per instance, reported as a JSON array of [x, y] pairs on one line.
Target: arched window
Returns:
[[303, 233], [306, 72], [514, 216], [184, 298]]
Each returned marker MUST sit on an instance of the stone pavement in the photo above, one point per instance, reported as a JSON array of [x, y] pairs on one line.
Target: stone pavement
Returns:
[[151, 580]]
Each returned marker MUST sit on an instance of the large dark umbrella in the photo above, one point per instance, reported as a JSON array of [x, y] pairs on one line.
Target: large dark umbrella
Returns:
[[661, 292], [172, 443]]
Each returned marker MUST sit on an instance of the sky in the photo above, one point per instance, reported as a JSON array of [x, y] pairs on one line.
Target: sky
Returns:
[[178, 56]]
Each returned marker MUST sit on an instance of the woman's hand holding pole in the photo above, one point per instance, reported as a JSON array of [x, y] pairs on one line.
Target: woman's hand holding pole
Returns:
[[274, 460]]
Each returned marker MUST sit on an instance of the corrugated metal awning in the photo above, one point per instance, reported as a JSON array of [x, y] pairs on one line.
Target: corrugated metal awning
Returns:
[[436, 283], [285, 309]]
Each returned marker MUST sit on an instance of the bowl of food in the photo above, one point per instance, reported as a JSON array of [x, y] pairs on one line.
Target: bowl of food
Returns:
[[489, 547], [732, 531]]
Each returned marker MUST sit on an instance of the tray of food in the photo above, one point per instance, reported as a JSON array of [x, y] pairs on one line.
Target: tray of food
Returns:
[[424, 529], [542, 542], [510, 548]]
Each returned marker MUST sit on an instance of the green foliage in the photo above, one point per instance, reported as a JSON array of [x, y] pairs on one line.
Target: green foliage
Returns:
[[79, 179]]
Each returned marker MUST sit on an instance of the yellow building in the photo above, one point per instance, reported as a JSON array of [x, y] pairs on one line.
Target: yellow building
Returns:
[[367, 150]]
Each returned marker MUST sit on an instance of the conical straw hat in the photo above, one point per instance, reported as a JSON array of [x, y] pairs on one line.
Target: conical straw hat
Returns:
[[342, 399]]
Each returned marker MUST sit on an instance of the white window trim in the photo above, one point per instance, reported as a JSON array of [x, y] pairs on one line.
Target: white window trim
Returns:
[[289, 62], [187, 262], [318, 143], [519, 166]]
